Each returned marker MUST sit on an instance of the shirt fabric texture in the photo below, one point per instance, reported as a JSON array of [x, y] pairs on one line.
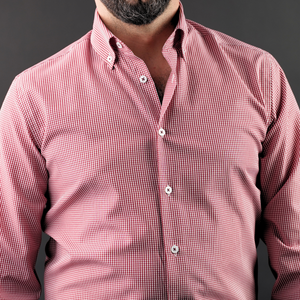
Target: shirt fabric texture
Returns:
[[143, 200]]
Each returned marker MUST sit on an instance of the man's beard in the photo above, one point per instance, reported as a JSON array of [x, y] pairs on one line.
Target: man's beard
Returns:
[[141, 13]]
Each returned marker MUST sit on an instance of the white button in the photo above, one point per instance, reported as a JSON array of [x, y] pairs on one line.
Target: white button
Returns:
[[119, 45], [168, 190], [175, 249], [162, 132], [143, 79], [109, 58]]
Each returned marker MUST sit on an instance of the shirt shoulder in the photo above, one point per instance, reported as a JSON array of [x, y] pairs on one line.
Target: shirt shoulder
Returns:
[[223, 40], [241, 55], [235, 51], [53, 67], [256, 68], [33, 90]]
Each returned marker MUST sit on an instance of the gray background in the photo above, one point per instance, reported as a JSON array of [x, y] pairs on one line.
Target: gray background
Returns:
[[32, 30]]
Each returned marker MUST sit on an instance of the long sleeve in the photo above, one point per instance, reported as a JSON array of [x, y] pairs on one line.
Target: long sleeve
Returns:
[[23, 185], [280, 185]]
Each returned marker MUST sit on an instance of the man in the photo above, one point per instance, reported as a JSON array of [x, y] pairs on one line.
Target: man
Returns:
[[155, 153]]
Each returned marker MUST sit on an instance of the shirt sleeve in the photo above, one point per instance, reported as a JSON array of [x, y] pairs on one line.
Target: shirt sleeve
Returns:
[[280, 187], [23, 185]]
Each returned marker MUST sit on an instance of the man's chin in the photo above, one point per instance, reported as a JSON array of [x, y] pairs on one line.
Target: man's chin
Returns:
[[136, 12]]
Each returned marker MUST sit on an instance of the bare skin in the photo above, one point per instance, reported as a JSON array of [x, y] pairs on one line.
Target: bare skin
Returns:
[[142, 38]]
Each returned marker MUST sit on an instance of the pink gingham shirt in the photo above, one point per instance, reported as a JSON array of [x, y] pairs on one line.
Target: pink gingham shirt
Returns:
[[143, 200]]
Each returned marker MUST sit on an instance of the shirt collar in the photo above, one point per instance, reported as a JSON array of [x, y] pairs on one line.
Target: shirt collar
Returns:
[[104, 42]]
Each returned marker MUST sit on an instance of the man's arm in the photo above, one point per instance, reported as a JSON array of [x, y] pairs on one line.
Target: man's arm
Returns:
[[280, 184], [23, 184]]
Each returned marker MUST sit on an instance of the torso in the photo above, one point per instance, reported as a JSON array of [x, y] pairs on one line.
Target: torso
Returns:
[[160, 72], [160, 84]]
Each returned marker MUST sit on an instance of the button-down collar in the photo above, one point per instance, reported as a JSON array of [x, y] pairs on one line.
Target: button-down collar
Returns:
[[106, 44]]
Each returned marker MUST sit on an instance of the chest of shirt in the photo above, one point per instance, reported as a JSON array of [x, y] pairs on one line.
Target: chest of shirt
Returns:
[[108, 127]]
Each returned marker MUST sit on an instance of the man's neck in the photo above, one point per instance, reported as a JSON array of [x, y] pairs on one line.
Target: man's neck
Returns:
[[141, 38]]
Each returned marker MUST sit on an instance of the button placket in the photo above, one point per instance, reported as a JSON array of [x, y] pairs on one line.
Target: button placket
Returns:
[[168, 190]]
